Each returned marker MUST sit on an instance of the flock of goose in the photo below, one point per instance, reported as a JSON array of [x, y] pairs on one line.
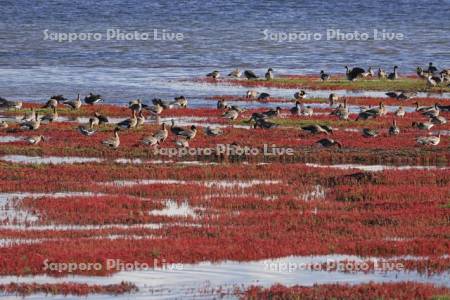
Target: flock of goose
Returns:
[[431, 74], [32, 120]]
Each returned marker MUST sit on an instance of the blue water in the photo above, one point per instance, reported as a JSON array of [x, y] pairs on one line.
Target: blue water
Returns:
[[216, 35]]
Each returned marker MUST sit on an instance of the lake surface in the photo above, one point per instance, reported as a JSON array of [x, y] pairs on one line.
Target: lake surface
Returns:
[[216, 35]]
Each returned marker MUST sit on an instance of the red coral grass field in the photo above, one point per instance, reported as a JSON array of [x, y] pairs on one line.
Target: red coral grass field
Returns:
[[138, 203]]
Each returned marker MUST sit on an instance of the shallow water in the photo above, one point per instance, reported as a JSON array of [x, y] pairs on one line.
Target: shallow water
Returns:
[[173, 209], [49, 159], [376, 168], [10, 139], [194, 279], [207, 183]]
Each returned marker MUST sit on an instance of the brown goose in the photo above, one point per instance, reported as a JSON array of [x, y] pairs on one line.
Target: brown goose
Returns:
[[213, 131], [113, 142], [129, 123], [188, 134], [74, 104], [315, 129], [394, 129], [327, 143], [51, 117], [88, 129], [34, 140], [429, 140], [31, 125]]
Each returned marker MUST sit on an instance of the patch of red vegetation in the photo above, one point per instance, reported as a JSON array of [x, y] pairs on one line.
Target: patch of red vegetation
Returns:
[[384, 214], [77, 289], [400, 291], [94, 210]]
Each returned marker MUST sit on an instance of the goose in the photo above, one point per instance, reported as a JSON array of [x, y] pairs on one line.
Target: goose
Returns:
[[432, 112], [369, 73], [74, 104], [135, 105], [406, 95], [177, 130], [59, 98], [150, 141], [272, 112], [140, 119], [269, 74], [3, 125], [421, 73], [113, 142], [34, 140], [251, 94], [102, 119], [365, 115], [327, 143], [429, 140], [341, 111], [354, 73], [157, 138], [367, 132], [52, 103], [344, 114], [392, 95], [235, 73], [377, 111], [164, 104], [29, 116], [156, 109], [401, 95], [51, 117], [128, 123], [393, 75], [7, 104], [306, 110], [250, 75], [32, 124], [95, 121], [213, 131], [161, 134], [438, 120], [381, 74], [264, 124], [422, 109], [423, 125], [183, 132], [92, 99], [431, 69], [263, 97], [333, 99], [181, 101], [400, 112], [324, 76], [431, 82], [182, 143], [296, 110], [315, 129], [394, 129], [88, 129], [444, 108], [222, 104], [300, 95], [231, 114], [237, 108], [214, 74]]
